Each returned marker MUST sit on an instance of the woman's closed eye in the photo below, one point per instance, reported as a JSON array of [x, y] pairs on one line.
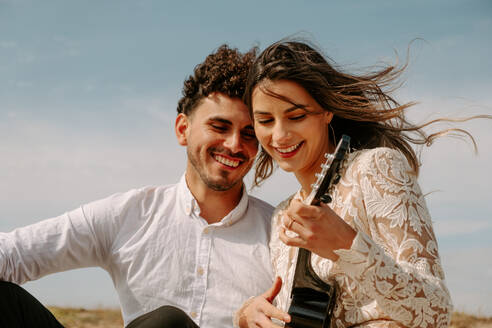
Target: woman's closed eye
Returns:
[[297, 117], [264, 120]]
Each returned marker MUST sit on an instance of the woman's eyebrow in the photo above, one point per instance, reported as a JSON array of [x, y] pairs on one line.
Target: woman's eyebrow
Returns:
[[294, 107], [287, 110]]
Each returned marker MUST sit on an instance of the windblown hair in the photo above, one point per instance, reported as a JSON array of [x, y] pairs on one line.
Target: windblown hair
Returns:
[[224, 71], [360, 107]]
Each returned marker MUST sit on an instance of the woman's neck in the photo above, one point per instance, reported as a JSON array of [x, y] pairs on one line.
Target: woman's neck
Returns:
[[306, 180], [308, 177]]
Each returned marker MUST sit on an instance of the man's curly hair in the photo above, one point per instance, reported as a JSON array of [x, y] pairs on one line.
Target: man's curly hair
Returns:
[[224, 71]]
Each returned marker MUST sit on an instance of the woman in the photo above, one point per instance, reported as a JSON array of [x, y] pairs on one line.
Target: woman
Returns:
[[375, 239]]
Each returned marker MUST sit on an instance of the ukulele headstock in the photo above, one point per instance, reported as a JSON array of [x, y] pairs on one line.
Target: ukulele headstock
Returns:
[[328, 176]]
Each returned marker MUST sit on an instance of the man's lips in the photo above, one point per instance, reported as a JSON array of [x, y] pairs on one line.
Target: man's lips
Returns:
[[227, 161]]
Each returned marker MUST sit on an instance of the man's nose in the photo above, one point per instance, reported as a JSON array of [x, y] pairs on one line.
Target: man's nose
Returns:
[[234, 142]]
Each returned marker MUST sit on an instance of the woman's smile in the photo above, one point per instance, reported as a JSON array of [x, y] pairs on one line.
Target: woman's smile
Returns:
[[291, 126], [289, 151]]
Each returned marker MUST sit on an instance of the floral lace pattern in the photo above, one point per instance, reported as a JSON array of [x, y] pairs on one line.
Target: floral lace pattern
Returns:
[[392, 275]]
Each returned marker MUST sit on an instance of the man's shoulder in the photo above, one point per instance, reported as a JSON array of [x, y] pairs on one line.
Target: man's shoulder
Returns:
[[152, 190], [147, 191], [137, 195], [260, 205]]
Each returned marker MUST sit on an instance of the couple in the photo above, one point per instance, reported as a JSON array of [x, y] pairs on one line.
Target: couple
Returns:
[[198, 252]]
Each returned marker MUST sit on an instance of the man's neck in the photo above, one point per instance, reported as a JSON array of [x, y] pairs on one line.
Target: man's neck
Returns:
[[214, 205]]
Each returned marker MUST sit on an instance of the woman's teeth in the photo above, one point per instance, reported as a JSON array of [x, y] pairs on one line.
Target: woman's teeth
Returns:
[[226, 161], [289, 149]]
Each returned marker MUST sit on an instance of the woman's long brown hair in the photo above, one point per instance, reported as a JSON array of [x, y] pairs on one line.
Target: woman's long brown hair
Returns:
[[360, 107]]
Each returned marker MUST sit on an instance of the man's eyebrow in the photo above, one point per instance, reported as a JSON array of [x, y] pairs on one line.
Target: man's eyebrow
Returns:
[[221, 120]]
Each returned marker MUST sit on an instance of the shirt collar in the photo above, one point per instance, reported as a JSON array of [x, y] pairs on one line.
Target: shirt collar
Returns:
[[190, 205]]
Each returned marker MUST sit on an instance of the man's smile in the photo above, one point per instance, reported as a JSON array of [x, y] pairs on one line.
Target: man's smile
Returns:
[[227, 161]]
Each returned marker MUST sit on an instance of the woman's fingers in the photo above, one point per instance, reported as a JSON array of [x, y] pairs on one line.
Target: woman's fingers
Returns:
[[317, 228], [295, 224], [296, 240]]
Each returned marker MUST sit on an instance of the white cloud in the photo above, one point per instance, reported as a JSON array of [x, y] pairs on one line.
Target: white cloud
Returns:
[[483, 25], [161, 108], [23, 84], [68, 47], [468, 275], [54, 169], [8, 44], [449, 228], [27, 58], [450, 166]]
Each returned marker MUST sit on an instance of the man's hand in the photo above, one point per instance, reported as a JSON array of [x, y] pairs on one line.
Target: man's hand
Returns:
[[259, 311]]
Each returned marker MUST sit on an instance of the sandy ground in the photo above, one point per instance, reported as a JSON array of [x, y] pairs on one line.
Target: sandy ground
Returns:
[[110, 318]]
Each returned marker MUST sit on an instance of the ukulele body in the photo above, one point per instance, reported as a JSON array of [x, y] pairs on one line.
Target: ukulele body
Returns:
[[313, 299]]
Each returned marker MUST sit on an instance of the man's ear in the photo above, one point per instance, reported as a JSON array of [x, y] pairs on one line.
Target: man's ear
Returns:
[[181, 128]]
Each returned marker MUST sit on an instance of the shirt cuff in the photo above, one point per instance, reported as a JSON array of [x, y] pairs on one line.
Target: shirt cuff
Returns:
[[354, 261]]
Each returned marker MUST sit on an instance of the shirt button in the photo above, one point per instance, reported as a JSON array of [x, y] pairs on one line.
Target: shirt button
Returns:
[[200, 271], [193, 315], [206, 231], [188, 210]]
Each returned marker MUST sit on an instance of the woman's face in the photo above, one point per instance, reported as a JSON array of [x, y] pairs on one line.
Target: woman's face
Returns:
[[293, 130]]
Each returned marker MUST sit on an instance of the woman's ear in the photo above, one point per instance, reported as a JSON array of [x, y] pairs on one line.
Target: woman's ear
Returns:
[[181, 128], [328, 116]]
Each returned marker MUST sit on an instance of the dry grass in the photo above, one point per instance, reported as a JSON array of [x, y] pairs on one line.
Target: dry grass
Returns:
[[463, 320], [108, 318], [82, 318]]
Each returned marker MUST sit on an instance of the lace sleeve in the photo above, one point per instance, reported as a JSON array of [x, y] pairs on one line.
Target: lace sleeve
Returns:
[[394, 258]]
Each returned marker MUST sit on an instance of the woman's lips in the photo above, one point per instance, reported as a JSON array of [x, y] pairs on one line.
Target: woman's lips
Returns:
[[289, 151]]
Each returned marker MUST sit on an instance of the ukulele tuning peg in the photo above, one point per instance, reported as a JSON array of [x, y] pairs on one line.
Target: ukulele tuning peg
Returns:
[[329, 156], [318, 175], [326, 198]]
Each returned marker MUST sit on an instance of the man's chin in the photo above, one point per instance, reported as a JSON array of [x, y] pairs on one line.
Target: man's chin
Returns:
[[221, 185]]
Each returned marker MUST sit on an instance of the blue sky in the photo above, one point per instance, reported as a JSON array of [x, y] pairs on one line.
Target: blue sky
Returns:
[[88, 92]]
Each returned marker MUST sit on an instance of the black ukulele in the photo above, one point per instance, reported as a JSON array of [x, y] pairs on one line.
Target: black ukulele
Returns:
[[312, 298]]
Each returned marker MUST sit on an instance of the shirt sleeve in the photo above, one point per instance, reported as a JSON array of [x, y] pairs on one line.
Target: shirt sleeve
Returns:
[[76, 239], [394, 258]]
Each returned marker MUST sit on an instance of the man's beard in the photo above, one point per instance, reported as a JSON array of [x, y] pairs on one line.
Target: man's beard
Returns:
[[222, 185]]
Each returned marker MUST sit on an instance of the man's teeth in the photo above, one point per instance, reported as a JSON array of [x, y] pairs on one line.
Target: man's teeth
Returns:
[[226, 161], [289, 149]]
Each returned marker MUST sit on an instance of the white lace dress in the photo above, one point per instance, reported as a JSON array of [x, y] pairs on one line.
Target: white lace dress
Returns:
[[392, 275]]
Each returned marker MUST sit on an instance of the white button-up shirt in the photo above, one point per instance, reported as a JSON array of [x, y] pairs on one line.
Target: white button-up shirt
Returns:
[[157, 250]]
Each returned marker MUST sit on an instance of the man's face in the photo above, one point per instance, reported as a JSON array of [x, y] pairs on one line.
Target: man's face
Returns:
[[220, 140]]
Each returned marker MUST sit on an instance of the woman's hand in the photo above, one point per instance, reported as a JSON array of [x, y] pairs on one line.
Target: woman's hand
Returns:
[[259, 310], [318, 229]]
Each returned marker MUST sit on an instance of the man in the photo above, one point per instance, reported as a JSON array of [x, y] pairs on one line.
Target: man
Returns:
[[196, 249]]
